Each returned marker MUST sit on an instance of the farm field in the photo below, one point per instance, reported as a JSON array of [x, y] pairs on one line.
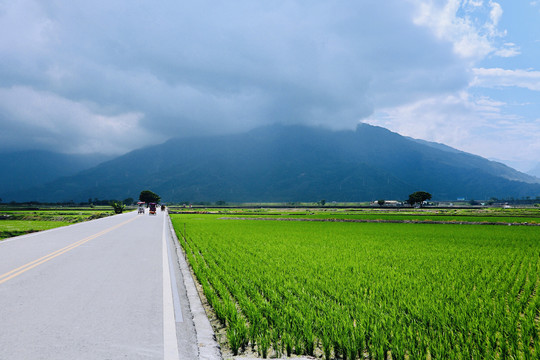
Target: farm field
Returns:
[[368, 290], [15, 222], [531, 216]]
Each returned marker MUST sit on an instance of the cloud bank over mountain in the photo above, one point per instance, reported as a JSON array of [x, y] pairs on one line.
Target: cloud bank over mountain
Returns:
[[102, 76]]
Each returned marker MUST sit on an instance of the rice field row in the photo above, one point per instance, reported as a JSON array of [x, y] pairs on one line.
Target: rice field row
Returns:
[[530, 216], [430, 217], [363, 290]]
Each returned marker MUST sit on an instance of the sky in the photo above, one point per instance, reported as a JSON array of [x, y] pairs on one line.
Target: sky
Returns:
[[108, 77]]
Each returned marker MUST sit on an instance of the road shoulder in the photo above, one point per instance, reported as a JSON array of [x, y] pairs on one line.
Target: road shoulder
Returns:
[[207, 345]]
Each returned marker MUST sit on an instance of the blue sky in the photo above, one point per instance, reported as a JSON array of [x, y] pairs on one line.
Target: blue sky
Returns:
[[497, 113], [102, 76]]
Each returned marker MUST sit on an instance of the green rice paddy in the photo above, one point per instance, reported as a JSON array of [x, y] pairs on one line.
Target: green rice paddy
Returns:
[[352, 290], [19, 222]]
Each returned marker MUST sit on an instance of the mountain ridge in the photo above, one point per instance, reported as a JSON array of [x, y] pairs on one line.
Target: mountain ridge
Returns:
[[292, 163], [24, 169]]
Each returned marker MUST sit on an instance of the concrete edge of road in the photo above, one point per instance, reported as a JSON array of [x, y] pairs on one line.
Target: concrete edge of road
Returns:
[[206, 339]]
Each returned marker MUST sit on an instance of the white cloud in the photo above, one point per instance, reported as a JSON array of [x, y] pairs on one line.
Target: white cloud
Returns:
[[49, 121], [477, 3], [471, 26], [445, 119], [497, 77], [495, 15], [479, 125], [508, 50], [447, 25]]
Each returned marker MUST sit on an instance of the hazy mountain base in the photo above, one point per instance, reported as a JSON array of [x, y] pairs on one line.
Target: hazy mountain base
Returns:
[[535, 171], [24, 169]]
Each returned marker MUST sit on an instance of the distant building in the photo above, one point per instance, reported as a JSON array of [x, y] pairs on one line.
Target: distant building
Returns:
[[388, 203]]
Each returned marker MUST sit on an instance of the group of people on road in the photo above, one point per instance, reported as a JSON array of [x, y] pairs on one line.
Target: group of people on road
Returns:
[[152, 208]]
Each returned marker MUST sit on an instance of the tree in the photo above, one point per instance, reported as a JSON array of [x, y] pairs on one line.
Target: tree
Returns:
[[128, 201], [117, 206], [148, 196], [418, 197], [322, 202], [381, 202]]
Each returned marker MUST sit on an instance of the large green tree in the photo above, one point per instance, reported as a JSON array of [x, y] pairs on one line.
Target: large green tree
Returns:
[[148, 196], [418, 197]]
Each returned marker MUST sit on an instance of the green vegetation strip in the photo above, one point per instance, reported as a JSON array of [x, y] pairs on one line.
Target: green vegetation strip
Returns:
[[492, 215], [401, 221], [16, 223], [355, 290], [11, 228]]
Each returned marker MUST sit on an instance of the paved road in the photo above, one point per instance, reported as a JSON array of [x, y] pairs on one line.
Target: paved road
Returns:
[[95, 290]]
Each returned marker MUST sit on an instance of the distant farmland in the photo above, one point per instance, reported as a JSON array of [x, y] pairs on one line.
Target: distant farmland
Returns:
[[352, 290], [15, 221]]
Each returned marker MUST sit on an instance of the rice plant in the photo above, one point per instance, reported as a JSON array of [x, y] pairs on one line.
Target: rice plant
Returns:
[[356, 290]]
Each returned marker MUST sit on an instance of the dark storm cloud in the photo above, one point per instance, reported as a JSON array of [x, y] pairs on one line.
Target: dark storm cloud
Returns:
[[110, 76]]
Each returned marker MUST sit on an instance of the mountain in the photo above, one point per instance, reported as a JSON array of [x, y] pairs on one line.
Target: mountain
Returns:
[[292, 163], [493, 167], [23, 169], [535, 171], [436, 145]]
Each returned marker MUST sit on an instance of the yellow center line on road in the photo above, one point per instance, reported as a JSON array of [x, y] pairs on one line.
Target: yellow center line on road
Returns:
[[21, 269]]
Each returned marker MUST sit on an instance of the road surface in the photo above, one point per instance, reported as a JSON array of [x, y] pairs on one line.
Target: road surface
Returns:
[[105, 289]]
